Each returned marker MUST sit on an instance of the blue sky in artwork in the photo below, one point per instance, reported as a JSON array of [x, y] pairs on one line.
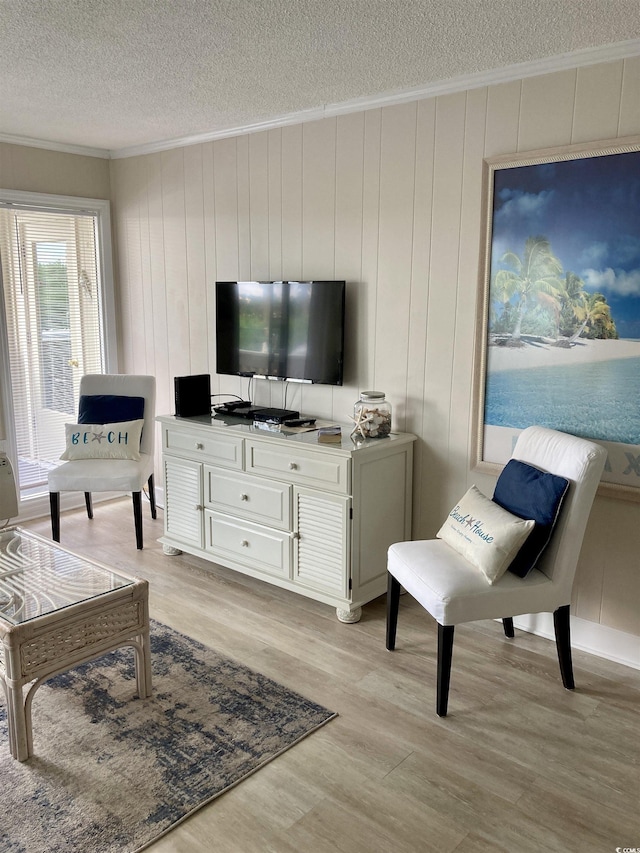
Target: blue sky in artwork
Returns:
[[589, 210]]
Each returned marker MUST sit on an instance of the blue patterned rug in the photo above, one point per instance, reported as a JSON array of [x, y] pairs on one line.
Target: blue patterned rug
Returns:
[[111, 773]]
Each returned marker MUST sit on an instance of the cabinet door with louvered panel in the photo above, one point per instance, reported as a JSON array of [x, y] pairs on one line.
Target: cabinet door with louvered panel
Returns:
[[183, 500], [322, 541]]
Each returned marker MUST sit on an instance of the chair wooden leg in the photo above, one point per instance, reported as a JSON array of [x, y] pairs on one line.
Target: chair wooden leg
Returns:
[[152, 497], [445, 653], [393, 602], [563, 645], [88, 504], [507, 624], [54, 503], [137, 517]]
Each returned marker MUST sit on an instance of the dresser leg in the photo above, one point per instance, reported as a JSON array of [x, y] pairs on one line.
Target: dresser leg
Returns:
[[349, 616]]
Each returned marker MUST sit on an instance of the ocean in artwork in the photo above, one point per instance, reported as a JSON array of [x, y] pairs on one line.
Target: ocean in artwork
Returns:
[[598, 400]]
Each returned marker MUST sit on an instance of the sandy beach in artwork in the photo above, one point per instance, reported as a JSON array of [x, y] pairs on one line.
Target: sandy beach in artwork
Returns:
[[538, 354]]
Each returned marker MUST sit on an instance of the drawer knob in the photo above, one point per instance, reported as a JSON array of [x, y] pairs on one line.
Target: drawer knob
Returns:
[[293, 466], [244, 497], [199, 507], [199, 445], [244, 543]]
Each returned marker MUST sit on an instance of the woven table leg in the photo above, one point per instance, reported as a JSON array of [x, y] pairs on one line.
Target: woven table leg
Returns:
[[18, 725]]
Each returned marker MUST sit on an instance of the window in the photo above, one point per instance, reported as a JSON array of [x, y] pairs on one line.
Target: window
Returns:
[[56, 322]]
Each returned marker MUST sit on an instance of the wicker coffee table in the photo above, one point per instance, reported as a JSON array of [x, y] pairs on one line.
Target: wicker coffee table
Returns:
[[58, 610]]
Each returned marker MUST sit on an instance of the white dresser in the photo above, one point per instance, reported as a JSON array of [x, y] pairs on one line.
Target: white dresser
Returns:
[[311, 517]]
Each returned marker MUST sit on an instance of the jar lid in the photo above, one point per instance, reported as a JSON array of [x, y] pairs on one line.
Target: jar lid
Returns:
[[372, 395]]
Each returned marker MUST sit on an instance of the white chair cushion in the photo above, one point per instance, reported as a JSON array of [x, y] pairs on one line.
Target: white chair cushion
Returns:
[[101, 475], [454, 591], [484, 533]]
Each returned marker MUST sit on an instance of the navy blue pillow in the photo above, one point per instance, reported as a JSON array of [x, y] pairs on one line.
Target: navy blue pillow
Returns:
[[528, 492], [109, 409]]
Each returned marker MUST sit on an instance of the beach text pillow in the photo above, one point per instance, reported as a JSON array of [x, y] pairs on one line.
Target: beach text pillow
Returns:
[[484, 533], [528, 492], [103, 441]]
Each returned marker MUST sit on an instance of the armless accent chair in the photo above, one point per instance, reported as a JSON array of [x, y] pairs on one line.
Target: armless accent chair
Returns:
[[453, 591], [109, 474]]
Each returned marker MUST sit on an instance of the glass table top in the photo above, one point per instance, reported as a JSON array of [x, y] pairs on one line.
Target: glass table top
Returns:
[[38, 577]]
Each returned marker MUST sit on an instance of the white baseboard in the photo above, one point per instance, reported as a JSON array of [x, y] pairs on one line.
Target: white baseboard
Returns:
[[38, 507], [159, 490], [589, 637]]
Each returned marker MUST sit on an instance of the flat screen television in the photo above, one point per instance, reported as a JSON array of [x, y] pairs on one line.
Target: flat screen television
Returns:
[[281, 329]]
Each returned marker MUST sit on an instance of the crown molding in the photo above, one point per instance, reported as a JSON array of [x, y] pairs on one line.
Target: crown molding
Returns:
[[507, 74], [464, 82], [63, 147], [299, 117]]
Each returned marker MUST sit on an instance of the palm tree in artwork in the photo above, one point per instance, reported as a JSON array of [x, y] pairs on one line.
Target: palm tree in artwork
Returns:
[[596, 313], [571, 305], [536, 277]]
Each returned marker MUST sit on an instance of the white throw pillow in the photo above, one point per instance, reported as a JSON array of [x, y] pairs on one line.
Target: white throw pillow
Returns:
[[103, 441], [484, 533]]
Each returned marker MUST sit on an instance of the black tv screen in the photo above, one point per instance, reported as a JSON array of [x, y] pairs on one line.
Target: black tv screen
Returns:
[[281, 329]]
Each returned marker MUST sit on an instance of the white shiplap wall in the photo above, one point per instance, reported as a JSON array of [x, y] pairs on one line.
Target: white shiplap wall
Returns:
[[391, 200]]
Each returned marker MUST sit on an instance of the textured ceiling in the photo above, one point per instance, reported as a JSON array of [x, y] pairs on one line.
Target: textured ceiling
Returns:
[[112, 74]]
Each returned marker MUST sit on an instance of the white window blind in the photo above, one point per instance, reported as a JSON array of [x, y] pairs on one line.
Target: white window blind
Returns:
[[54, 317]]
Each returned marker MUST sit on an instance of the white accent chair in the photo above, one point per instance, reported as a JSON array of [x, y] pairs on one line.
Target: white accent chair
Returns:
[[111, 475], [453, 591]]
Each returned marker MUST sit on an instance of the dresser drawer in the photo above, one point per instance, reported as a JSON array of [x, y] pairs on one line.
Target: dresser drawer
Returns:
[[247, 543], [323, 470], [256, 499], [205, 446]]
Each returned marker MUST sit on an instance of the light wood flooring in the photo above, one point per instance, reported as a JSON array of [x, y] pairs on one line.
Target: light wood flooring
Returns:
[[520, 765]]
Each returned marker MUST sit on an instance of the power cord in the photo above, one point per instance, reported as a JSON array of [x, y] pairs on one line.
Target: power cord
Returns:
[[228, 395]]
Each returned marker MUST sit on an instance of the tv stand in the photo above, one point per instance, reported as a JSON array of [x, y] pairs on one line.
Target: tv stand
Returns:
[[313, 518]]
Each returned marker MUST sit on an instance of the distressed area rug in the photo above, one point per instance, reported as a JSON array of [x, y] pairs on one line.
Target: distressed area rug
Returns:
[[112, 772]]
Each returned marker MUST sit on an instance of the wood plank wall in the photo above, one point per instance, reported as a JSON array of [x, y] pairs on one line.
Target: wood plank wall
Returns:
[[391, 200]]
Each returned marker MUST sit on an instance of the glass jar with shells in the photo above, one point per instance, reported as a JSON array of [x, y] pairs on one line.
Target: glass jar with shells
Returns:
[[371, 415]]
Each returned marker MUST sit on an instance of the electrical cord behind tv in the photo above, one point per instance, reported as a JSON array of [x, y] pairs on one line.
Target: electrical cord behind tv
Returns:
[[226, 395], [244, 402]]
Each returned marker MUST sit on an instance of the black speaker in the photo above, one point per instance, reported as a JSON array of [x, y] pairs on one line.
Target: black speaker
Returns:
[[193, 395]]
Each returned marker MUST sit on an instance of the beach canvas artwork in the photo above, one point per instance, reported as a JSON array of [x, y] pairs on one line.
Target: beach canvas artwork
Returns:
[[563, 308]]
